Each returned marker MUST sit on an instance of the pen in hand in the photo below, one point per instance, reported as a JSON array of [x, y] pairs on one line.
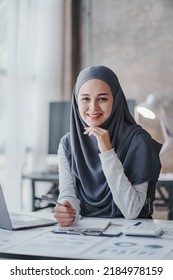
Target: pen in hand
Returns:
[[51, 200]]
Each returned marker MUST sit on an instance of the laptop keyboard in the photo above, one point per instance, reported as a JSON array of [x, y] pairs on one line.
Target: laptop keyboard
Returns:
[[18, 223]]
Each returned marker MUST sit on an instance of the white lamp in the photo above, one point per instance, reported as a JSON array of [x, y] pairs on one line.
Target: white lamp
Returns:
[[156, 117], [147, 114], [166, 120], [148, 109]]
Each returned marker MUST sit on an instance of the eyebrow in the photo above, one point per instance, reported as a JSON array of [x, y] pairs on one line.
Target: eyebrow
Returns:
[[86, 94]]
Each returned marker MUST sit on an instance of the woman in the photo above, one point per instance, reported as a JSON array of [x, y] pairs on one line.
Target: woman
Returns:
[[108, 165]]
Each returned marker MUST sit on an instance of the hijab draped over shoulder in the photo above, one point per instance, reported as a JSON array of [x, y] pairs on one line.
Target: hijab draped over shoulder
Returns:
[[137, 151]]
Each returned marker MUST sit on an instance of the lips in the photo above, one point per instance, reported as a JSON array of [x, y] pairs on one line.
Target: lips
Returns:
[[95, 116]]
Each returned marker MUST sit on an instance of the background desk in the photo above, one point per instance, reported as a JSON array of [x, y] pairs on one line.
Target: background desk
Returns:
[[42, 177]]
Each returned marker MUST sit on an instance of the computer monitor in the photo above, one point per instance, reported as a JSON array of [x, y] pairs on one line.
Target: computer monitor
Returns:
[[59, 125]]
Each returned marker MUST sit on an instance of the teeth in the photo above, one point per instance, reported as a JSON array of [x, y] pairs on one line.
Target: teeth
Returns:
[[94, 115]]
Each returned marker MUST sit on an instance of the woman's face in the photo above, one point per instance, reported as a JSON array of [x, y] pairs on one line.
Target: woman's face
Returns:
[[95, 102]]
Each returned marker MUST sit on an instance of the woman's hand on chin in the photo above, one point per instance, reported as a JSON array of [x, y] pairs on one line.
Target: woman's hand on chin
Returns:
[[102, 136]]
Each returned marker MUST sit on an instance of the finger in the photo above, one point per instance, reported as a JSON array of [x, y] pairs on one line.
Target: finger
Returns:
[[98, 130], [64, 209], [64, 215], [65, 223], [95, 132], [67, 204], [90, 130], [93, 127], [65, 220]]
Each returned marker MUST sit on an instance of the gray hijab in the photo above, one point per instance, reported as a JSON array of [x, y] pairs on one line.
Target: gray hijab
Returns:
[[137, 151]]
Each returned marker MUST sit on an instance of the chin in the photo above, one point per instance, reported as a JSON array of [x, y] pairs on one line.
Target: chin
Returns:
[[94, 123]]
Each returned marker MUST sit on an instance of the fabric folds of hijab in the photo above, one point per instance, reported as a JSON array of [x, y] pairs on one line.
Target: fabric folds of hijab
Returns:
[[137, 151]]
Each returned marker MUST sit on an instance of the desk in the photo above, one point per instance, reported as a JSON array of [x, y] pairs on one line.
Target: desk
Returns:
[[41, 243], [165, 190], [42, 177]]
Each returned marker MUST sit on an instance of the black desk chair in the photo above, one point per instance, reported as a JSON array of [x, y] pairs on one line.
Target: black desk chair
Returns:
[[164, 188]]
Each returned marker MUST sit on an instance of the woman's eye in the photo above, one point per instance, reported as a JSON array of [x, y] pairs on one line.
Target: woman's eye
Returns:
[[102, 99], [85, 99]]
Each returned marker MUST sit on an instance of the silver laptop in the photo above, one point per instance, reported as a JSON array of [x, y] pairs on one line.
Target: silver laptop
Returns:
[[14, 221]]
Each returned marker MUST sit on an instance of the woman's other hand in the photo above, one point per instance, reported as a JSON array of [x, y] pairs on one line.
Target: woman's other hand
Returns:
[[65, 214]]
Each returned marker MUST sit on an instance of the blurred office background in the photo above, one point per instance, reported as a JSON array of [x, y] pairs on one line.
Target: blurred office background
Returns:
[[43, 46]]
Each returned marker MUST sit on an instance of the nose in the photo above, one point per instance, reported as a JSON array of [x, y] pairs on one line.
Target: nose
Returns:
[[93, 105]]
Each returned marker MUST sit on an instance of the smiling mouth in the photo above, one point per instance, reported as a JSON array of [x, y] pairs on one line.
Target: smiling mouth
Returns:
[[94, 116]]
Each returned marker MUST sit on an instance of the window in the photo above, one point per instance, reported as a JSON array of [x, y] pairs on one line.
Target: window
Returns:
[[3, 74]]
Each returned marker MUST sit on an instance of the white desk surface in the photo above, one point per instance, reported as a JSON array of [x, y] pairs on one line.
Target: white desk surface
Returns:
[[42, 243]]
